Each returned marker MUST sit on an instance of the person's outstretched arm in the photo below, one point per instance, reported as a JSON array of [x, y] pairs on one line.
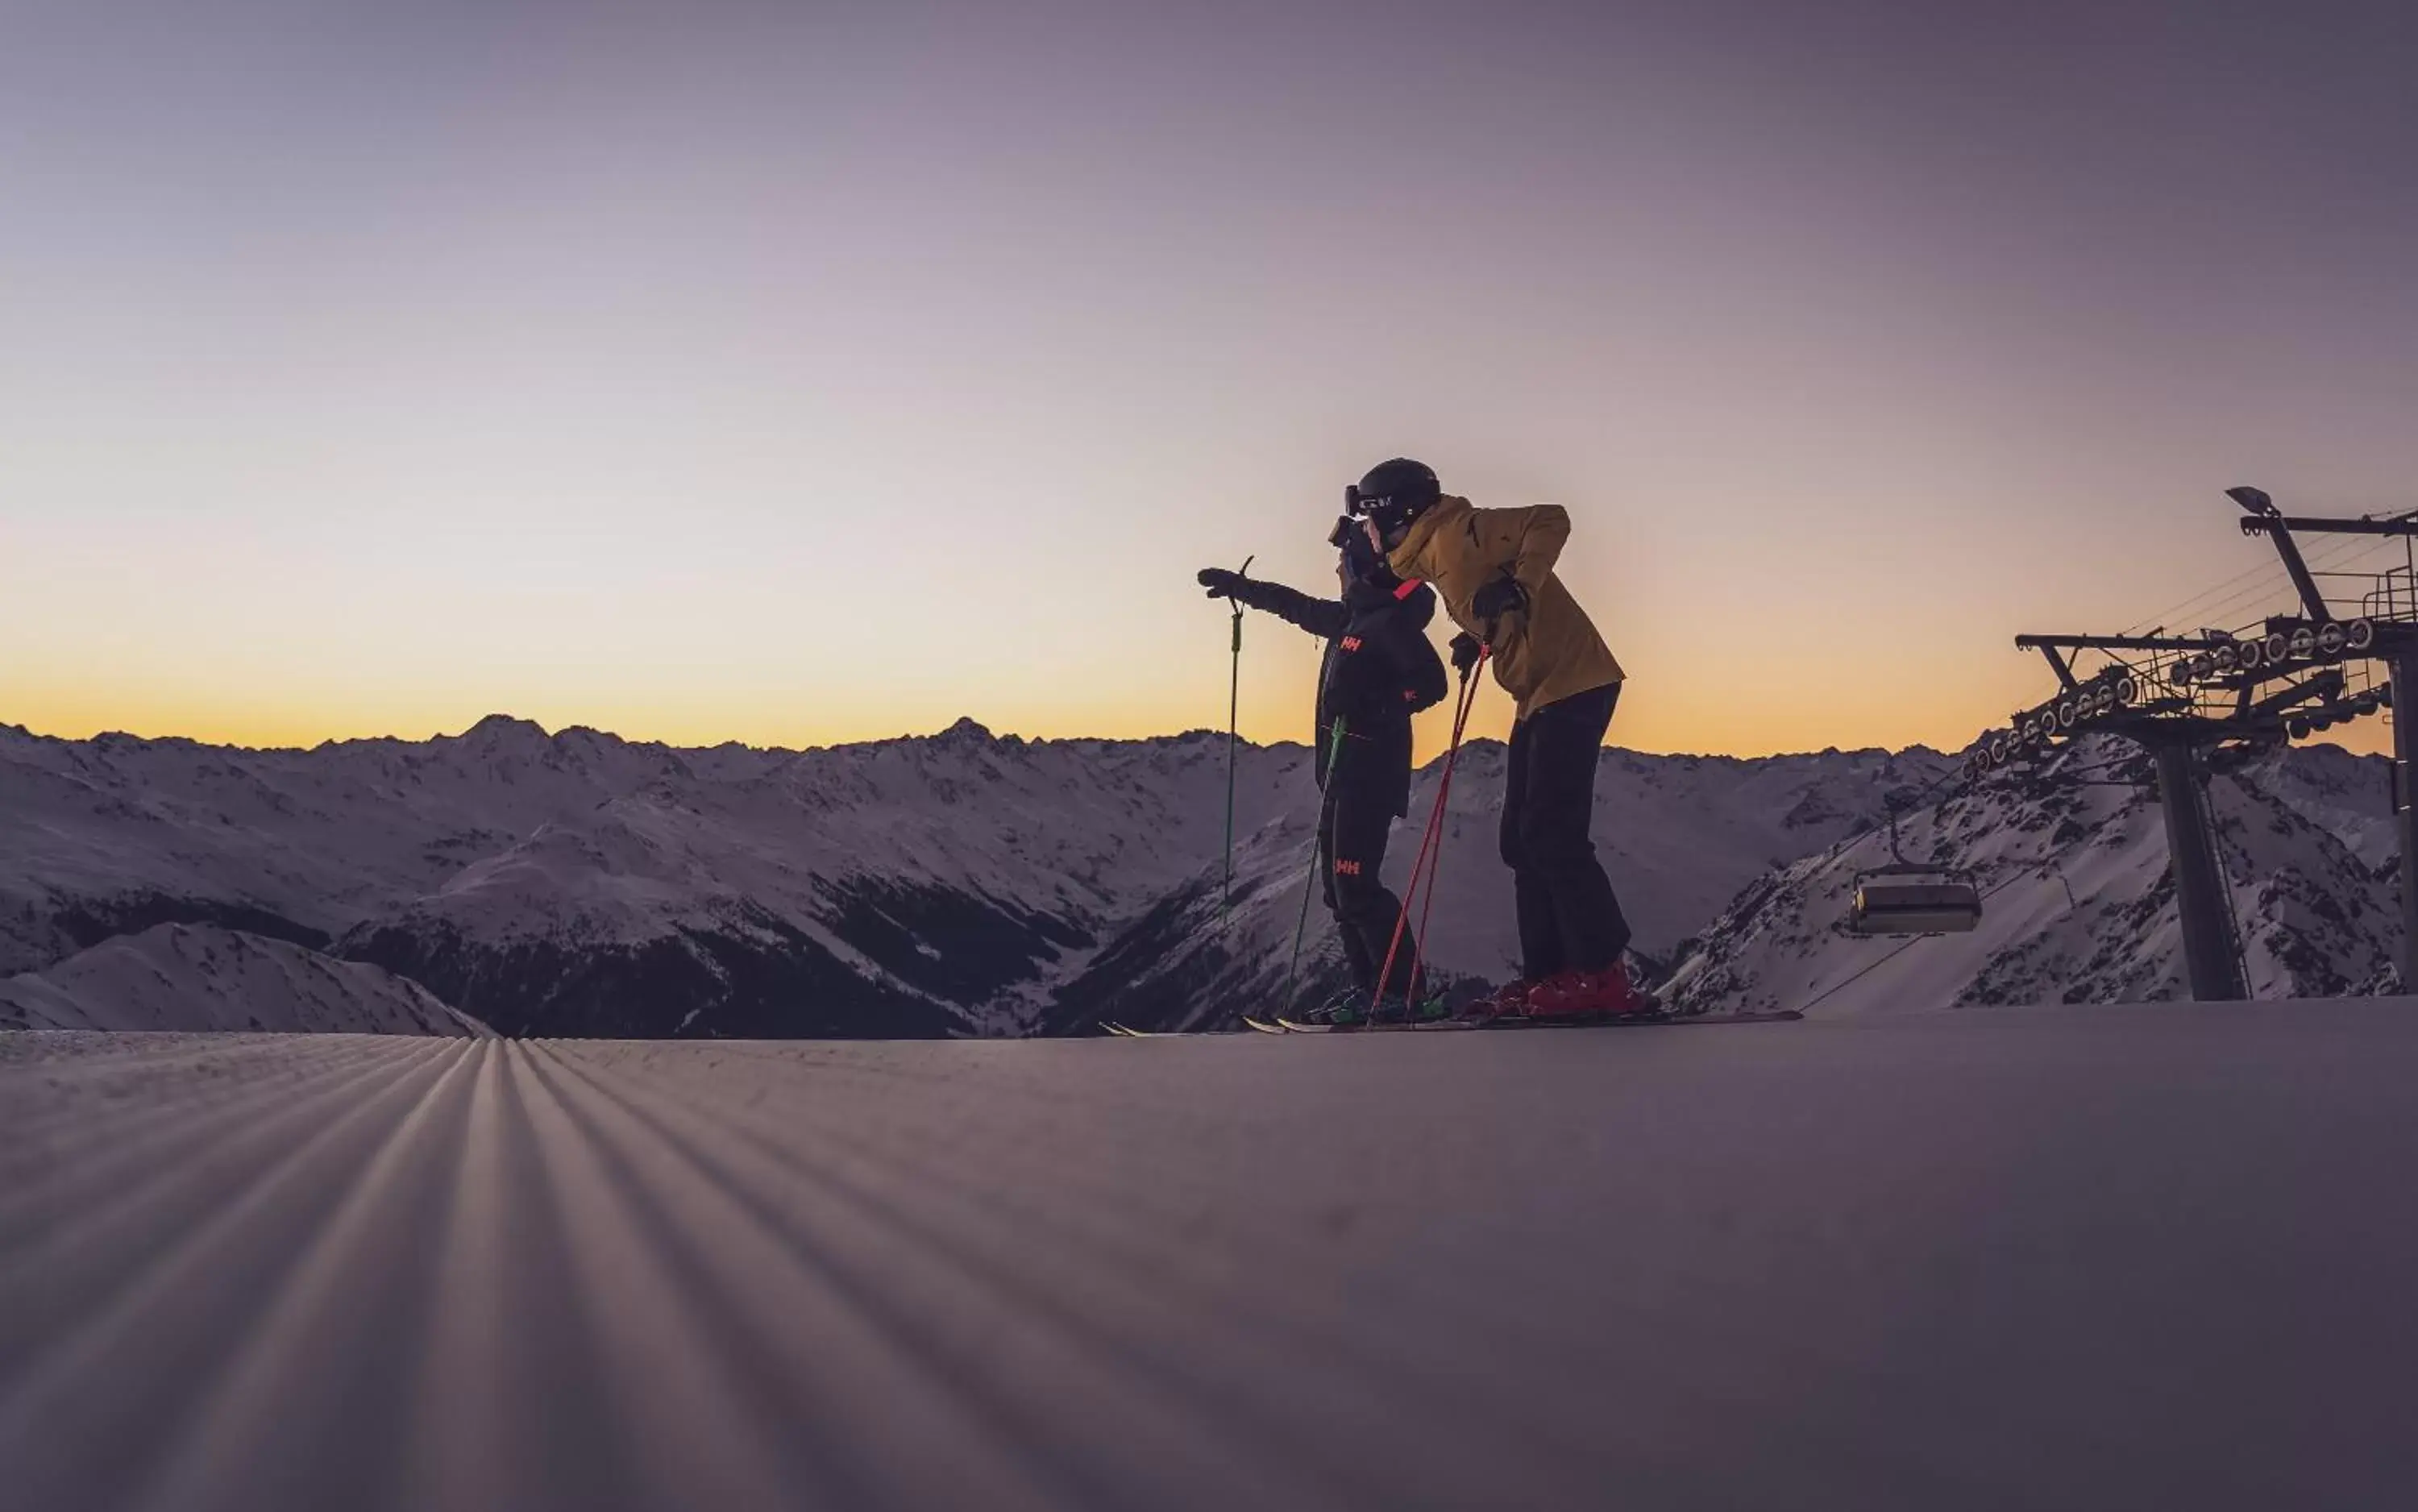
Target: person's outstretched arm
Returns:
[[1323, 617]]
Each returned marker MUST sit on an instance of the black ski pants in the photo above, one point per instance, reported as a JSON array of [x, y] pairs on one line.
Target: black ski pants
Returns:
[[1569, 918], [1358, 817]]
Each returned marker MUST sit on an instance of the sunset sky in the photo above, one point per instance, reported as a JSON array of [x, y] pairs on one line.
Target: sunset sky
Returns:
[[795, 372]]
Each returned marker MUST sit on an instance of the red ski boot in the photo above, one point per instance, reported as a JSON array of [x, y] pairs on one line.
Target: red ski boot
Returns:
[[1604, 994]]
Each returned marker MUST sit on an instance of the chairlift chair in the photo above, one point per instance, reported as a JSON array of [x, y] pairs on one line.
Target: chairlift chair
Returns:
[[1905, 898]]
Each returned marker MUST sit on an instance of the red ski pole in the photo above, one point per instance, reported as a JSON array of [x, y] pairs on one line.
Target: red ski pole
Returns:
[[1403, 919], [1435, 863], [1431, 856]]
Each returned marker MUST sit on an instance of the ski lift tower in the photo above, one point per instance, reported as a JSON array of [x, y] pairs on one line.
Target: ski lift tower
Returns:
[[2388, 605], [2133, 697], [2197, 703]]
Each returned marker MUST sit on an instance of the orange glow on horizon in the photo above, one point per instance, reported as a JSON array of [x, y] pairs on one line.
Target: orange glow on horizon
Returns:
[[1275, 709]]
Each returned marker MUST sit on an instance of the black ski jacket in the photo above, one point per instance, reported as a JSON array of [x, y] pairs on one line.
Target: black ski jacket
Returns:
[[1378, 671]]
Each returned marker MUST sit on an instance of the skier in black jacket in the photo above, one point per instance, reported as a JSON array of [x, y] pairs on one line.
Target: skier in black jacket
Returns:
[[1378, 671]]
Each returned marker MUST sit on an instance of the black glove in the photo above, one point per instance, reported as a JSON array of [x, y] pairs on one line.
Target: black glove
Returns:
[[1496, 599], [1219, 582], [1464, 653]]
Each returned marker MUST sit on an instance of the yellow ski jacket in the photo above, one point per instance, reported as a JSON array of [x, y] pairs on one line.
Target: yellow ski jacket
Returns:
[[1541, 656]]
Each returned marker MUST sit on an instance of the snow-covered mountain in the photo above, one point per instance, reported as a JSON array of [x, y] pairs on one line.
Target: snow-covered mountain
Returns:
[[961, 883], [200, 977], [910, 887], [576, 884], [2078, 904], [2349, 797]]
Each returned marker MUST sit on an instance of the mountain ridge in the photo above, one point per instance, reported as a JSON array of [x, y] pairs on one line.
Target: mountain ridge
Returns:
[[958, 882]]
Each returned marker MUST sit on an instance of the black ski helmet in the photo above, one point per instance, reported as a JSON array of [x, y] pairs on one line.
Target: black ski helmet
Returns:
[[1395, 492]]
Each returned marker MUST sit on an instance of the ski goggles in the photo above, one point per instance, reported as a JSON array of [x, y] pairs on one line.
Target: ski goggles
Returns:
[[1382, 507]]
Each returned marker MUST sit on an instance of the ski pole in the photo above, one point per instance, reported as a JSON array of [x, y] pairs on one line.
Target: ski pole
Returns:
[[1403, 919], [1431, 843], [1470, 684], [1233, 713], [1435, 863], [1317, 843], [1410, 891]]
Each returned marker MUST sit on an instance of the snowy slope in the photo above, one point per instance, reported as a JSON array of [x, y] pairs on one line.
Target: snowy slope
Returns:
[[181, 977], [2349, 797], [2151, 1258], [2078, 905]]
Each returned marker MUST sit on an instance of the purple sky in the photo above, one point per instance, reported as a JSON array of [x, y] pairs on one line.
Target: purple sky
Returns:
[[795, 372]]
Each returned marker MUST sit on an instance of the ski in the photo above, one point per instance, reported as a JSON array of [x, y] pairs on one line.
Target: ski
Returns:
[[1439, 1025], [1294, 1025], [1635, 1021], [1127, 1031], [1442, 1026]]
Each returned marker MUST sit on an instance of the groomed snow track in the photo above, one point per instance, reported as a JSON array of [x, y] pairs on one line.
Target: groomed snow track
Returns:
[[2140, 1257]]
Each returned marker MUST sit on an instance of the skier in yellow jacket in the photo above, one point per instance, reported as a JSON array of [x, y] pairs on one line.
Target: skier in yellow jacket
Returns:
[[1493, 571]]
